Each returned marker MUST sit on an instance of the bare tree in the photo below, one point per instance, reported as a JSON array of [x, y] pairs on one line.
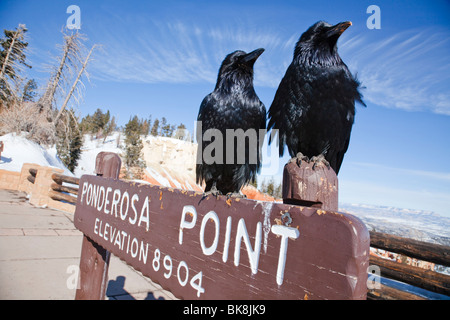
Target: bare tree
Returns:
[[75, 84], [43, 121], [67, 65]]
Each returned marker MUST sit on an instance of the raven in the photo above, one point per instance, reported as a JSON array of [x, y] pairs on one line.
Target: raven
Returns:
[[236, 114], [314, 105]]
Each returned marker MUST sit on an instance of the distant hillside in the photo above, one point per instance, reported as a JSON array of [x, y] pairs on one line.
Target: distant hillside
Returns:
[[415, 224]]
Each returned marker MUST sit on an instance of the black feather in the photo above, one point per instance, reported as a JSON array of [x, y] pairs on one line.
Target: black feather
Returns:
[[232, 105], [314, 106]]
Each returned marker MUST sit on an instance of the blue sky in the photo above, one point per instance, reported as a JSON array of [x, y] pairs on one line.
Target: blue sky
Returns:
[[162, 57]]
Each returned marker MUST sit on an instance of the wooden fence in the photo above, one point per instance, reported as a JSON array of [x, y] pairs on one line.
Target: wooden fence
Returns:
[[326, 192], [413, 275]]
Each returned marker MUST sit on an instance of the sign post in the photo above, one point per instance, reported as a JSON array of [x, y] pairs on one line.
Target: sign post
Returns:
[[219, 248], [94, 261]]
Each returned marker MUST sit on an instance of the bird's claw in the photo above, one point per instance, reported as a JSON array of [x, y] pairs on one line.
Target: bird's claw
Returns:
[[299, 158], [320, 160], [235, 195], [213, 192]]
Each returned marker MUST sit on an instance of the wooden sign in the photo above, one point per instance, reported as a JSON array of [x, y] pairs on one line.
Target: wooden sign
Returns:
[[208, 248]]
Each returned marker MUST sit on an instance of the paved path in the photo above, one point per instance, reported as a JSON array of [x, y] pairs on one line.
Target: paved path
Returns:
[[40, 253]]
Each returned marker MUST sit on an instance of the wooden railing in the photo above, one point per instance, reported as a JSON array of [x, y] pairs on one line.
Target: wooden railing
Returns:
[[60, 192], [415, 276]]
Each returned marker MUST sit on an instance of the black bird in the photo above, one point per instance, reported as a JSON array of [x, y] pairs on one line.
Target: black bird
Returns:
[[314, 106], [232, 105]]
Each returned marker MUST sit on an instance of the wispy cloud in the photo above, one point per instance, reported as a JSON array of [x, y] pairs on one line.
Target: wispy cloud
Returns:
[[409, 70], [434, 175], [176, 52]]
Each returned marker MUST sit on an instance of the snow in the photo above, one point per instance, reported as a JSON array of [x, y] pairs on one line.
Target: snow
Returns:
[[19, 150], [91, 148], [158, 177]]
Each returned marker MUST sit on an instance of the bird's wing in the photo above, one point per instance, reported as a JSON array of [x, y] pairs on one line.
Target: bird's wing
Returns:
[[204, 105], [203, 124], [286, 110]]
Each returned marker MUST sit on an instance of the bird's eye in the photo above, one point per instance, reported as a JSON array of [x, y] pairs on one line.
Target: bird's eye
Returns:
[[237, 58]]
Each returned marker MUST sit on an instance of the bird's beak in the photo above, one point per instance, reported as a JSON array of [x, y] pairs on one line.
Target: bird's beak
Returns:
[[338, 29], [252, 56]]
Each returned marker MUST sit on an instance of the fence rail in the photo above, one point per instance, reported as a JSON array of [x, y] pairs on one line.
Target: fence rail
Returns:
[[415, 276], [60, 192]]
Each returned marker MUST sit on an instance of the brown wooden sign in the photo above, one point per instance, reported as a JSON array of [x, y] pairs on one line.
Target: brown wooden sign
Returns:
[[208, 248]]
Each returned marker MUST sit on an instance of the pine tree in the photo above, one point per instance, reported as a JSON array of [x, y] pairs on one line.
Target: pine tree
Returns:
[[12, 60], [99, 124], [69, 140], [278, 192], [133, 147], [145, 126], [86, 124], [164, 127], [110, 127], [29, 91], [270, 187], [182, 133], [155, 128]]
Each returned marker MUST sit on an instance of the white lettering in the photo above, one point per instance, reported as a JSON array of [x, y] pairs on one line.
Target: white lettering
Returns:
[[118, 241], [285, 233], [105, 235], [101, 202], [96, 225], [145, 218], [134, 198], [113, 233], [89, 190], [122, 214], [83, 192], [226, 244], [182, 265], [209, 251], [143, 254], [253, 255], [108, 190], [185, 224], [115, 202], [134, 248], [94, 195]]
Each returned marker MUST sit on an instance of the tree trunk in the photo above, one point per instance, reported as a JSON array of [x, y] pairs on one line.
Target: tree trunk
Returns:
[[8, 54], [69, 95], [49, 94]]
